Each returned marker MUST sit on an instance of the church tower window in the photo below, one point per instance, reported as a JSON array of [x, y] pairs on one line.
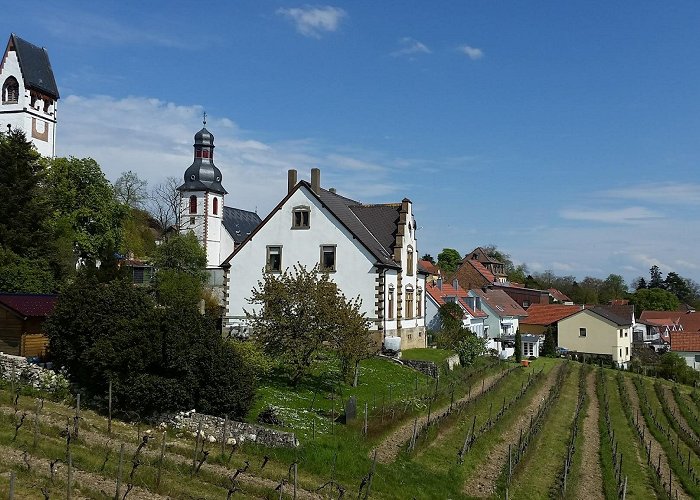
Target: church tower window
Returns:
[[215, 206], [193, 204], [10, 91]]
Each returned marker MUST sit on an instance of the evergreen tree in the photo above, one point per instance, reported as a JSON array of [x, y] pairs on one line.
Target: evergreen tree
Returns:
[[656, 277], [518, 346]]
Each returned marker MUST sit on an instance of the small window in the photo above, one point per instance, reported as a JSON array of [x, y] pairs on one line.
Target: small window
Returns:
[[274, 259], [193, 204], [627, 351], [409, 261], [581, 332], [409, 304], [526, 304], [627, 333], [192, 221], [215, 206], [198, 153], [621, 333], [10, 91], [620, 352], [205, 153], [47, 105], [419, 303], [390, 312], [328, 258], [300, 217]]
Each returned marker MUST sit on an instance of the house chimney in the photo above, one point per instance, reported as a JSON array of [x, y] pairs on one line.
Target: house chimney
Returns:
[[316, 180], [332, 190], [291, 179], [439, 282]]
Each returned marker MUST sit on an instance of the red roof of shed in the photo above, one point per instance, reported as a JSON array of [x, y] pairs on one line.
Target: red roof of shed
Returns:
[[29, 304]]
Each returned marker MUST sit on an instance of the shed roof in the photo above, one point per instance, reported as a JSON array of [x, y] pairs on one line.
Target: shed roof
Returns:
[[29, 304]]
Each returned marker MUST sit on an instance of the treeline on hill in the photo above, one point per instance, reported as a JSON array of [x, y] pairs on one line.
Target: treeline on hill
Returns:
[[656, 293]]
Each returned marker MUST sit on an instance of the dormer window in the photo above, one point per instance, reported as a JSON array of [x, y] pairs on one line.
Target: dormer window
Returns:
[[193, 204], [300, 217], [215, 206], [10, 91]]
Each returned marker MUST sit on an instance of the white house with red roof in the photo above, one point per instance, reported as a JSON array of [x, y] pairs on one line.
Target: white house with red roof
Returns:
[[440, 293]]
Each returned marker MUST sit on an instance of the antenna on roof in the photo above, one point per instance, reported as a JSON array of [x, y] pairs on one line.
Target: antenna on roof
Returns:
[[204, 118]]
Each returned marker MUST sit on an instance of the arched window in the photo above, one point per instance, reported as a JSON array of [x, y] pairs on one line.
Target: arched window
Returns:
[[409, 261], [215, 206], [10, 91], [193, 204]]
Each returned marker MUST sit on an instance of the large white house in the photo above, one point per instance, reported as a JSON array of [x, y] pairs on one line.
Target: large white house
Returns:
[[370, 252], [29, 94]]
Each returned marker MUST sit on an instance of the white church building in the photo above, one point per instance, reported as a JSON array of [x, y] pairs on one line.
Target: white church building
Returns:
[[29, 94], [370, 252]]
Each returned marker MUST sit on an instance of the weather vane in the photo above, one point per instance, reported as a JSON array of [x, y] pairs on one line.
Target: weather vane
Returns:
[[204, 118]]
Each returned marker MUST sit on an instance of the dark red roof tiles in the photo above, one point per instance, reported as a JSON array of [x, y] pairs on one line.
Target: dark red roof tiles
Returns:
[[547, 314], [29, 305]]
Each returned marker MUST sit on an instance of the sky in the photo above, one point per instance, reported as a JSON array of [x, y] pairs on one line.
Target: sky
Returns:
[[565, 133]]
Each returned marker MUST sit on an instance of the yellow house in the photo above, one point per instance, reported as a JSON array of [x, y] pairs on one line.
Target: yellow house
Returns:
[[596, 330]]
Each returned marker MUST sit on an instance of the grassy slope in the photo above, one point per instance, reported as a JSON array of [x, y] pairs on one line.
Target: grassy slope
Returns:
[[435, 355]]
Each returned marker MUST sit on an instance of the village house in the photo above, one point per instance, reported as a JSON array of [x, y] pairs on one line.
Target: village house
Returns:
[[22, 317], [687, 346], [369, 250], [440, 293], [540, 317], [504, 314], [29, 94], [597, 331]]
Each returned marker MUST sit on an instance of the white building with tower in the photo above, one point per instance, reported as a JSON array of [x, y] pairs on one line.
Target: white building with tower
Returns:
[[29, 94], [218, 228]]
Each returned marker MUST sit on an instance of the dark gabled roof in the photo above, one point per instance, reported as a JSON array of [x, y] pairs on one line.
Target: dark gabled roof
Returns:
[[340, 208], [240, 223], [29, 304], [611, 316], [35, 65], [499, 302], [358, 219]]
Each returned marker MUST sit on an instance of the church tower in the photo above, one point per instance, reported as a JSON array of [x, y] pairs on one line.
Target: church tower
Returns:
[[29, 94], [202, 198]]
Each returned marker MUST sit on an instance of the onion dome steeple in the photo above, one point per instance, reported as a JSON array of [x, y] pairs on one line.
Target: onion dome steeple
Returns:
[[203, 175]]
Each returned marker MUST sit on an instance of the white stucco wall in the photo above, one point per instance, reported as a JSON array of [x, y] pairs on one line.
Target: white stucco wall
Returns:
[[355, 273], [32, 119], [214, 228]]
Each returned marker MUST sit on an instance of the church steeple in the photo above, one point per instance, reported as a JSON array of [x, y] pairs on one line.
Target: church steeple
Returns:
[[203, 175]]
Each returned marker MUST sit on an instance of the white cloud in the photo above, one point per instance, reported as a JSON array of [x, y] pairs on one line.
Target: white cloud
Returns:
[[675, 193], [410, 46], [154, 139], [313, 21], [472, 53], [628, 215]]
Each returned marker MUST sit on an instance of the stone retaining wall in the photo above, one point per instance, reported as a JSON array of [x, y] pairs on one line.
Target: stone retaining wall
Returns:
[[19, 369], [236, 432], [428, 368]]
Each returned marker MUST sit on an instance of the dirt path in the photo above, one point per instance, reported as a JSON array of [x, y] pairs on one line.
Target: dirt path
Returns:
[[89, 481], [482, 484], [152, 451], [673, 405], [656, 449], [389, 448], [590, 483]]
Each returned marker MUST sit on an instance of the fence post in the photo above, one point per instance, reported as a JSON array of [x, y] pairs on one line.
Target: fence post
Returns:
[[196, 446], [295, 481], [36, 424], [12, 485], [224, 437], [364, 430], [624, 489], [160, 461], [117, 494], [76, 423], [109, 408]]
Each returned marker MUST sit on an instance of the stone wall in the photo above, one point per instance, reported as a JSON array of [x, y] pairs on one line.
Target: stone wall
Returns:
[[19, 369], [236, 432], [428, 368]]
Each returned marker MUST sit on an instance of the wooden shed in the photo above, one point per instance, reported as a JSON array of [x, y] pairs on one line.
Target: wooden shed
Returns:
[[22, 317]]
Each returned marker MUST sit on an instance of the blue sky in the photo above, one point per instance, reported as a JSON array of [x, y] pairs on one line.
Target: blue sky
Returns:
[[566, 133]]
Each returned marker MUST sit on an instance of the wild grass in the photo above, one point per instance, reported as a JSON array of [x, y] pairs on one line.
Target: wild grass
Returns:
[[437, 356]]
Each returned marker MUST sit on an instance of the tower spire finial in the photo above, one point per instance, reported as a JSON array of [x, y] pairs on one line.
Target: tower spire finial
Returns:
[[204, 118]]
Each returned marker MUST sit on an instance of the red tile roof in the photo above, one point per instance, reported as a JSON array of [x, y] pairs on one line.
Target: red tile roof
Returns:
[[481, 269], [685, 341], [447, 290], [428, 266], [547, 314], [29, 305], [559, 296], [690, 321]]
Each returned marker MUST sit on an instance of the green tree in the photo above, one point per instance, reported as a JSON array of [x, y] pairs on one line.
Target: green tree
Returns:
[[138, 237], [351, 338], [180, 263], [82, 201], [296, 312], [449, 259], [130, 190], [679, 286], [518, 346], [656, 277], [654, 299], [157, 361], [613, 287], [450, 333], [674, 367], [470, 347], [549, 348], [639, 283], [428, 257]]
